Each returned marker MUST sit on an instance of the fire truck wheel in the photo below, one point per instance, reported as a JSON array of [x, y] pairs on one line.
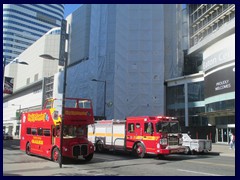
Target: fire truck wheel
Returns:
[[89, 157], [161, 156], [139, 150], [99, 146], [28, 149], [56, 155]]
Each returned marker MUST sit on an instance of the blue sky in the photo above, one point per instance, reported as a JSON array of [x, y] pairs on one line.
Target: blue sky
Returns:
[[69, 8]]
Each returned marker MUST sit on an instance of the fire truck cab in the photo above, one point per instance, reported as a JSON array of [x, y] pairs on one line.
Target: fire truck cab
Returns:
[[159, 135]]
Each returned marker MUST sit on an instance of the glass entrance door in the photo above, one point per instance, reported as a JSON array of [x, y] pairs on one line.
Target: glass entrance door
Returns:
[[222, 135]]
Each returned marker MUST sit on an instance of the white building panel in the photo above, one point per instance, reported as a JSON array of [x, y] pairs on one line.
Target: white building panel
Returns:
[[131, 48]]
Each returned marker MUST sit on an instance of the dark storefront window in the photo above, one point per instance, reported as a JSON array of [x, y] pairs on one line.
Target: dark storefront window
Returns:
[[196, 91], [175, 94], [195, 119], [223, 120], [176, 103], [179, 113], [222, 105]]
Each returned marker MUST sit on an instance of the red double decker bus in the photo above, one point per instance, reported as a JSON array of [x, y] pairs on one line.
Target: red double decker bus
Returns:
[[40, 130]]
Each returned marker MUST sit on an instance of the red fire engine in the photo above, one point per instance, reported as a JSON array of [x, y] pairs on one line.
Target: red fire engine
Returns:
[[141, 135], [40, 130]]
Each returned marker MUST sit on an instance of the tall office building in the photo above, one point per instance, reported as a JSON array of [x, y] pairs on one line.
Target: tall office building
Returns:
[[23, 24]]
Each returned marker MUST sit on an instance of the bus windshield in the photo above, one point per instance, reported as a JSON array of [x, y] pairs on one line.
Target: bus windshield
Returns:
[[170, 127]]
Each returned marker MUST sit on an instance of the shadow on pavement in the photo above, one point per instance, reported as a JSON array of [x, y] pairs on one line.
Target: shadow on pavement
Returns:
[[8, 174], [11, 144]]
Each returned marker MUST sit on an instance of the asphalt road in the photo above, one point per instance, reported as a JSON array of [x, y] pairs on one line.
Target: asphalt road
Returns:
[[17, 163]]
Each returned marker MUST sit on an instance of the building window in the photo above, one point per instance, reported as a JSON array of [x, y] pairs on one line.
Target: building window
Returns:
[[35, 77], [28, 81], [222, 105], [176, 103], [196, 91], [175, 94]]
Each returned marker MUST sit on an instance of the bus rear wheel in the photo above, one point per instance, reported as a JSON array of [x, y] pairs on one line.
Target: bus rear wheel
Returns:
[[56, 155], [28, 149]]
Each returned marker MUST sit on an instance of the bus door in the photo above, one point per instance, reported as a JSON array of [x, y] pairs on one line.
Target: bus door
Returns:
[[46, 144], [53, 135], [35, 140], [56, 135]]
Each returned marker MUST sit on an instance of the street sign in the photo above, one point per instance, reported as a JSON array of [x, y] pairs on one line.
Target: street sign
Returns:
[[62, 43]]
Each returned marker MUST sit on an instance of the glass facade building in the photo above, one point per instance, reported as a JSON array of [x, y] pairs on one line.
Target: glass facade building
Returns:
[[185, 100], [205, 94], [23, 24]]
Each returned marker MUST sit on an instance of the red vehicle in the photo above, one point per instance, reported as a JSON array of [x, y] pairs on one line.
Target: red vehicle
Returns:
[[40, 130], [141, 135]]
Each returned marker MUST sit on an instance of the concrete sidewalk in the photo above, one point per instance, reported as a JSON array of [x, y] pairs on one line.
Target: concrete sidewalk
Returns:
[[222, 150]]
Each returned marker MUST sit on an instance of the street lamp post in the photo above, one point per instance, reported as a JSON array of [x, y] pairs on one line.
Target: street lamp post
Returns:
[[47, 56], [104, 107], [20, 108], [63, 60]]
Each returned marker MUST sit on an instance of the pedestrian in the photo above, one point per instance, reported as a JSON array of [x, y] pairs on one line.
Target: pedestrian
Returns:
[[229, 135], [232, 142]]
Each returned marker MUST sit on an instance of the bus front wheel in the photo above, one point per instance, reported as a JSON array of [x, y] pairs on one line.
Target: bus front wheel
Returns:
[[89, 157], [56, 155]]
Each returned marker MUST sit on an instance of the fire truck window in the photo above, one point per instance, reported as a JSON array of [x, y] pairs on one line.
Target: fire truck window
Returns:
[[137, 125], [34, 131], [159, 127], [130, 127], [148, 128], [46, 132], [28, 130], [40, 131]]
